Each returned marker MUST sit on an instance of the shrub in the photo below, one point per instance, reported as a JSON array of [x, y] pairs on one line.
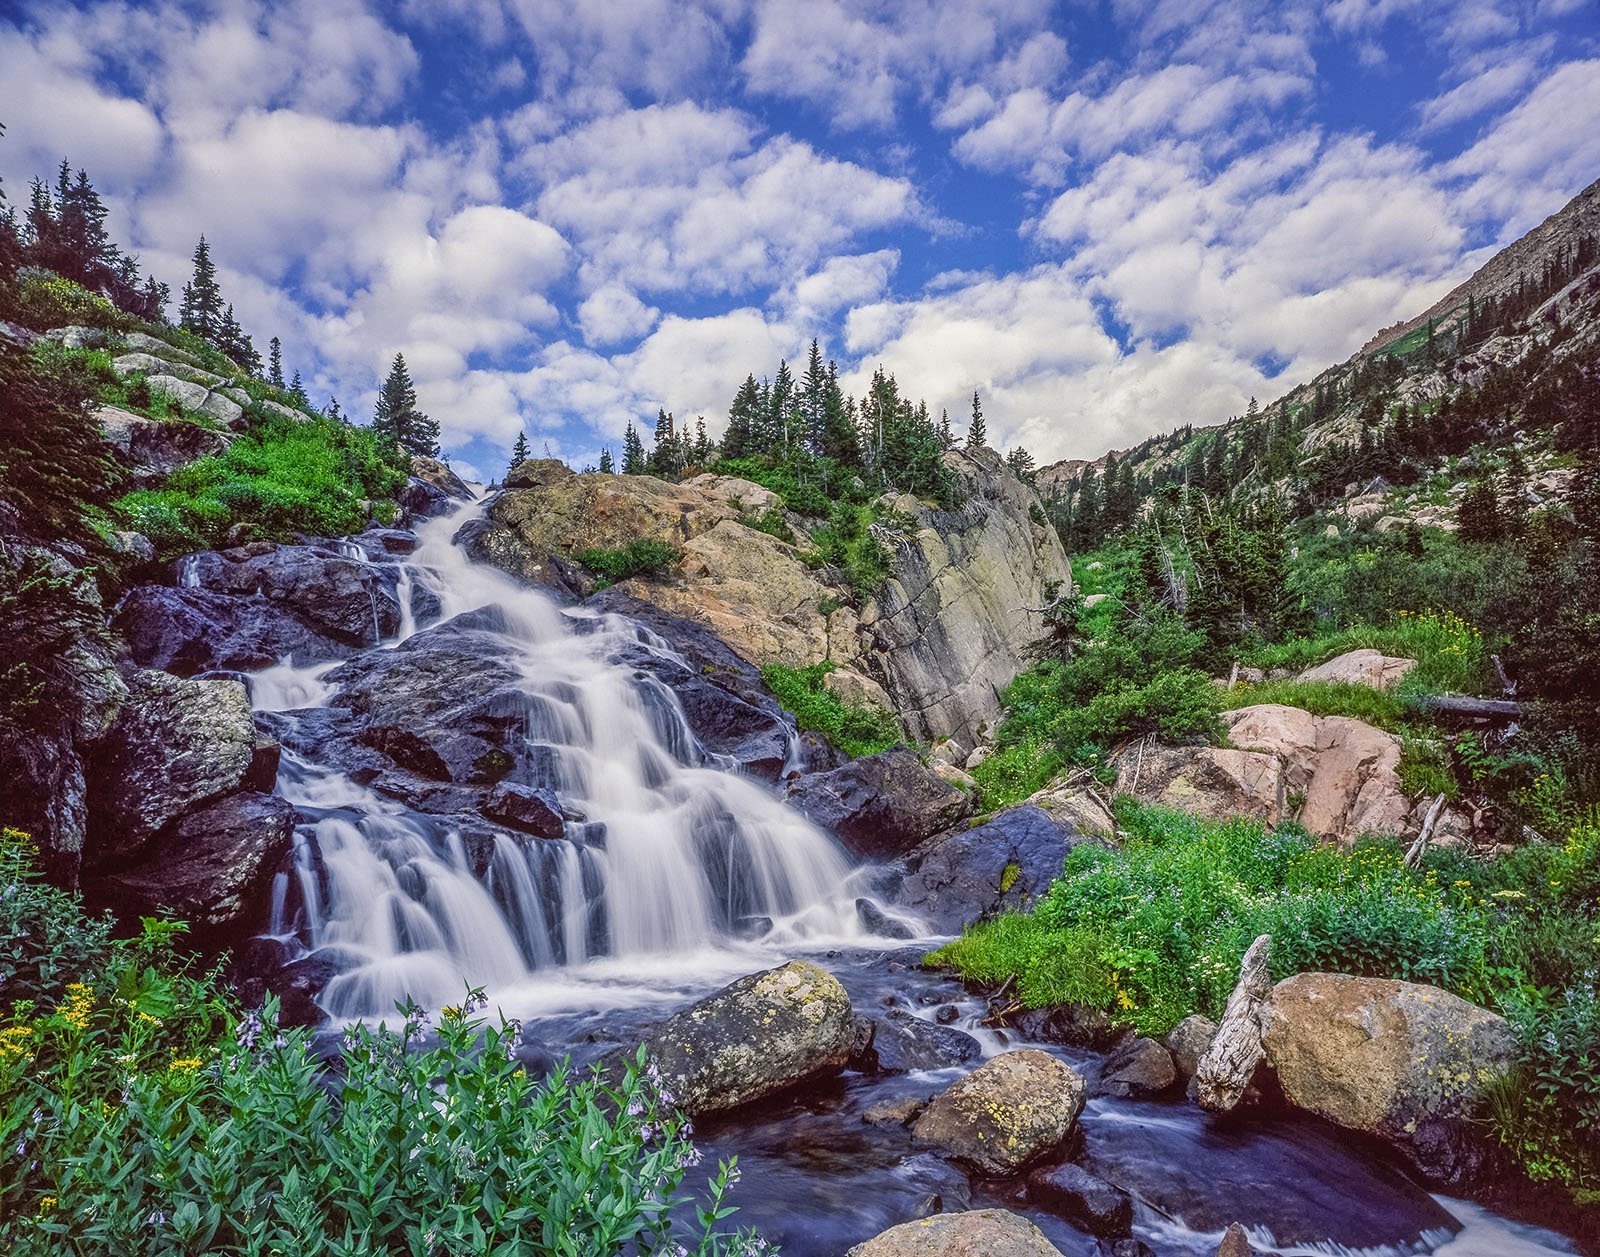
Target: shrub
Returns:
[[285, 477], [1323, 698], [771, 522], [644, 557], [44, 300], [847, 544], [854, 730]]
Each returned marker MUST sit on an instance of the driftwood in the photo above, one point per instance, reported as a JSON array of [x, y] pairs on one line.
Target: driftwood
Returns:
[[1508, 687], [1230, 1062], [1421, 844], [1461, 705]]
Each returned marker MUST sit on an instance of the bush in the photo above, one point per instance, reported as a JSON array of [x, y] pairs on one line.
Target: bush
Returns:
[[771, 522], [644, 557], [846, 543], [1323, 698], [44, 300], [854, 730], [285, 477], [141, 1113]]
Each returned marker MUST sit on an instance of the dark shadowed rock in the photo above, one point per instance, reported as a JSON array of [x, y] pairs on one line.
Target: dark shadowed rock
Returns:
[[903, 1043], [1140, 1067], [391, 542], [900, 1112], [875, 920], [881, 805], [1188, 1041], [1071, 1025], [1012, 1110], [188, 631], [754, 1038], [155, 448], [213, 868], [528, 808], [485, 541], [1071, 1192], [176, 745], [1002, 866], [432, 489], [349, 600]]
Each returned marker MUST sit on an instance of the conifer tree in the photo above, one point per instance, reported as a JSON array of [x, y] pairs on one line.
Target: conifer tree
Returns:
[[397, 416], [201, 309], [275, 363], [978, 432], [947, 438], [1021, 464], [633, 463], [297, 390], [743, 418], [607, 467], [520, 451]]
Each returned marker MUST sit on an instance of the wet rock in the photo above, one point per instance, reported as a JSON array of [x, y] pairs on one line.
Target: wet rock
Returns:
[[876, 921], [1071, 1192], [485, 541], [1001, 866], [1404, 1062], [901, 1112], [1131, 1248], [880, 805], [189, 631], [175, 745], [1071, 1025], [759, 1036], [348, 600], [975, 1233], [212, 868], [432, 489], [946, 1013], [1012, 1110], [391, 542], [154, 449], [1188, 1041], [528, 808], [905, 1044], [1141, 1067]]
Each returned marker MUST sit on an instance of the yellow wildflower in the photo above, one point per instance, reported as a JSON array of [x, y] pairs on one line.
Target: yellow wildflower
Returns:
[[80, 1003], [14, 1042], [188, 1063]]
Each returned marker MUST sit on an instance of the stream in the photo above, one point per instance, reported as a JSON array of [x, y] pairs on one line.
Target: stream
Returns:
[[683, 874]]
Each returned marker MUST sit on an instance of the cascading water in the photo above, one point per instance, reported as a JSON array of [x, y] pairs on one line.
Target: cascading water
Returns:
[[677, 854]]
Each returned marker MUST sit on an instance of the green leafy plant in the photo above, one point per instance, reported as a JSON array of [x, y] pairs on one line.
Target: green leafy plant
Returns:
[[854, 730], [645, 557]]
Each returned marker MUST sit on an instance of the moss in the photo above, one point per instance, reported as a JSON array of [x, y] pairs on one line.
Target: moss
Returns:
[[1009, 875]]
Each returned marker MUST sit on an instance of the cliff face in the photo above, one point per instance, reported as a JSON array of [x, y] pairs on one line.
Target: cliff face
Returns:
[[940, 636]]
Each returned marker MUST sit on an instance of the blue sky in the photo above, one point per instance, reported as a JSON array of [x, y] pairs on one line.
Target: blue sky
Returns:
[[1110, 218]]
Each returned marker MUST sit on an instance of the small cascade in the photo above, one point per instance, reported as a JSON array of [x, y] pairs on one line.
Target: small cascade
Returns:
[[678, 855], [189, 572]]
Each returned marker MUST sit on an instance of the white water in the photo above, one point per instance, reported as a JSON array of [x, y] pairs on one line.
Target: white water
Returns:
[[691, 855]]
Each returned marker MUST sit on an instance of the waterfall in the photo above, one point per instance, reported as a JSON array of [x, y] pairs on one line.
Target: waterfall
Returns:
[[678, 855]]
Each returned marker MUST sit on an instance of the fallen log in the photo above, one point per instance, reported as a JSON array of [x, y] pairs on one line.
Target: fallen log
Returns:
[[1477, 708], [1230, 1062]]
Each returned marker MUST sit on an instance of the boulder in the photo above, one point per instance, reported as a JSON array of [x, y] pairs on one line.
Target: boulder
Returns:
[[974, 1233], [1188, 1041], [197, 399], [1071, 1192], [212, 868], [1001, 866], [141, 342], [76, 336], [904, 1043], [346, 599], [280, 410], [189, 631], [1141, 1067], [760, 1035], [153, 365], [432, 488], [1012, 1110], [1235, 1243], [1076, 809], [154, 448], [175, 745], [485, 541], [1343, 773], [1071, 1025], [1404, 1062], [880, 805], [901, 1112], [1362, 667], [527, 808]]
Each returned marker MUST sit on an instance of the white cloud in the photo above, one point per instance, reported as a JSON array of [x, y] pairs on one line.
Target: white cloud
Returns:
[[843, 281], [1490, 86], [611, 314]]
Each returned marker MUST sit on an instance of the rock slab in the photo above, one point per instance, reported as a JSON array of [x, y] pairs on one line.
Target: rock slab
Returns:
[[975, 1233], [882, 805]]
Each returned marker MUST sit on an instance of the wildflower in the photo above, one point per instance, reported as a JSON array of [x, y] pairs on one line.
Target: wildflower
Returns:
[[14, 1042], [156, 1218], [80, 1002], [46, 1204], [689, 1156], [250, 1030], [187, 1064]]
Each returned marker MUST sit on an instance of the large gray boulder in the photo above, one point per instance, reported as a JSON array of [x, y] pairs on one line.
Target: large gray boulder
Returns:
[[432, 488], [880, 806], [1404, 1062], [759, 1036], [1012, 1110], [151, 365], [903, 1043], [176, 744], [190, 631], [1001, 866], [154, 449], [213, 869], [346, 599], [197, 399], [975, 1233]]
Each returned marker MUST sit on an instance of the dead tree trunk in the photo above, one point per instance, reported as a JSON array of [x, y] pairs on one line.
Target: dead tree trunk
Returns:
[[1230, 1062]]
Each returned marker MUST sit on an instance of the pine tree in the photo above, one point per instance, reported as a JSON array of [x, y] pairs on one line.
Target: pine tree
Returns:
[[743, 417], [1021, 464], [947, 438], [607, 467], [275, 363], [520, 452], [201, 309], [840, 440], [978, 432], [297, 391], [633, 462], [397, 416]]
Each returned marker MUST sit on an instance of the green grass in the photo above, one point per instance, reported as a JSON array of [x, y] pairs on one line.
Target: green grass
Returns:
[[644, 557], [1320, 698], [319, 477], [1449, 651], [856, 731]]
